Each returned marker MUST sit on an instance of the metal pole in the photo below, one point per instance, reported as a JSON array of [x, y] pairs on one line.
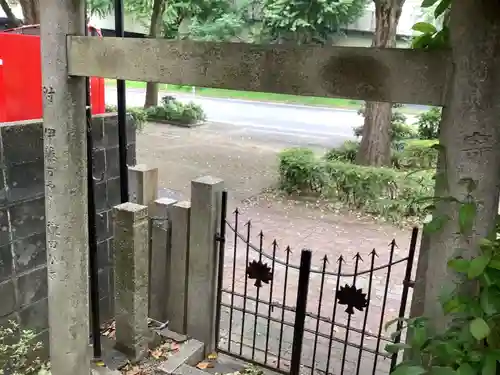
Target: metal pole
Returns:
[[122, 110], [93, 267], [221, 238], [300, 312]]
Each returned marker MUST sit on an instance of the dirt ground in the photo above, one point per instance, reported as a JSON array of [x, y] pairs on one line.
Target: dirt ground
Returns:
[[248, 167]]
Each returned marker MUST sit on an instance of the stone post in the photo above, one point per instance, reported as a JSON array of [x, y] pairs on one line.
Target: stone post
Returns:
[[143, 189], [65, 160], [177, 302], [143, 184], [159, 289], [206, 194], [131, 278]]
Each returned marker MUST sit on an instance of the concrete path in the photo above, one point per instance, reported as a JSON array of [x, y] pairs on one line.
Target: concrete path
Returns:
[[326, 127]]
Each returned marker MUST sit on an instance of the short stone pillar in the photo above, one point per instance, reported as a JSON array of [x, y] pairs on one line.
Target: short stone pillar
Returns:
[[159, 279], [206, 197], [143, 184], [131, 245], [177, 301], [143, 189]]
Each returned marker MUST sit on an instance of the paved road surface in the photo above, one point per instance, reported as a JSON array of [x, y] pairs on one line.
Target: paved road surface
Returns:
[[293, 124]]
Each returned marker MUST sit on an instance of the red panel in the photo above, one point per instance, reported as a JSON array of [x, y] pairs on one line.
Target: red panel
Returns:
[[2, 100], [21, 84], [97, 95], [21, 79]]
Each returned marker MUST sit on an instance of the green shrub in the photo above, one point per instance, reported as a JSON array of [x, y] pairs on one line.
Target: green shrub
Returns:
[[176, 111], [18, 351], [137, 113], [416, 154], [408, 154], [140, 117], [399, 129], [379, 191], [300, 172], [347, 152], [428, 124], [111, 108]]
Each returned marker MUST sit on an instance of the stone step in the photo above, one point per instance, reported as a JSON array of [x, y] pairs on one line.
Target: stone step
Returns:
[[191, 353], [189, 370]]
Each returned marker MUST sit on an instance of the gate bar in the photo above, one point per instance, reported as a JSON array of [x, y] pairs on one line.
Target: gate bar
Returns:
[[93, 267], [121, 95], [406, 286], [300, 314], [221, 238]]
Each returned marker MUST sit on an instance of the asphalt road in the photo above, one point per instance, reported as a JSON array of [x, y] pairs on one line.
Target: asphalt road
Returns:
[[287, 123]]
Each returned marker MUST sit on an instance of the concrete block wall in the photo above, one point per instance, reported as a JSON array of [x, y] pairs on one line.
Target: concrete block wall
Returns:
[[23, 274]]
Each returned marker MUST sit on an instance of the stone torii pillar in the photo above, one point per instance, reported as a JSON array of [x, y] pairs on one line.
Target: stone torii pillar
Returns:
[[64, 127]]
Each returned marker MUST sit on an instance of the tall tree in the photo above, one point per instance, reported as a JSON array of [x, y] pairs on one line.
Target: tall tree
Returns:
[[163, 18], [170, 17], [468, 174], [308, 21], [375, 148], [154, 29], [31, 11], [13, 21]]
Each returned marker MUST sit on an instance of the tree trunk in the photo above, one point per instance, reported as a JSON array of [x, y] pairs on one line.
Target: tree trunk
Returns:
[[156, 19], [375, 148], [31, 11], [470, 136], [12, 19]]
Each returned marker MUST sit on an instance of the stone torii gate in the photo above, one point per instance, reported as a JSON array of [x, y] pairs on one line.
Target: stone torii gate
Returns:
[[392, 75]]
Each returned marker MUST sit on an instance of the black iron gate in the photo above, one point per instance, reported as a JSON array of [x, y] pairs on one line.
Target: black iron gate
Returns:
[[278, 311]]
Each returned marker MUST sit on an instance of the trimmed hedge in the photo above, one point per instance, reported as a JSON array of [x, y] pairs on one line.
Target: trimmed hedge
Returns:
[[379, 191], [409, 154], [176, 112], [416, 154]]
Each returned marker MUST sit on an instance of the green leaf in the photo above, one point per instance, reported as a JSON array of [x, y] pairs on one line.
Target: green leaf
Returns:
[[466, 216], [466, 369], [479, 329], [489, 365], [421, 41], [408, 370], [419, 336], [489, 300], [424, 27], [459, 265], [392, 321], [478, 265], [494, 263], [440, 9], [428, 3], [395, 348], [440, 370], [485, 243], [436, 223]]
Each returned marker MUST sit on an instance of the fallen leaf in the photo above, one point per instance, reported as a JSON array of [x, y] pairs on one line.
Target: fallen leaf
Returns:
[[99, 363], [204, 365], [157, 354], [212, 356], [135, 370]]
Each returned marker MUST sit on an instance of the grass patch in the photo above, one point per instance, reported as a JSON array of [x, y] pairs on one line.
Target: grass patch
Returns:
[[250, 95]]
